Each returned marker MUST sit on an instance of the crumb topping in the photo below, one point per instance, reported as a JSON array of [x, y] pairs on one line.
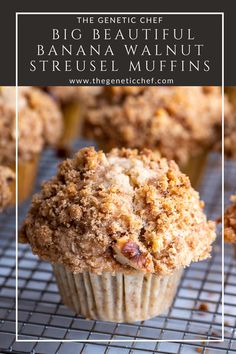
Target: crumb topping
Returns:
[[40, 122], [230, 221], [121, 211], [6, 178], [177, 121]]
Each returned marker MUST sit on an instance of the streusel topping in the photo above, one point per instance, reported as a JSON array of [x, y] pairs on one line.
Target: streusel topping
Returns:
[[40, 122], [230, 222], [177, 121], [121, 211], [6, 178]]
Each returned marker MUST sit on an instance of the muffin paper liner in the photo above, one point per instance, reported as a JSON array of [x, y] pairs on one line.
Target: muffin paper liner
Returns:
[[231, 92], [195, 168], [72, 114], [119, 297], [27, 171]]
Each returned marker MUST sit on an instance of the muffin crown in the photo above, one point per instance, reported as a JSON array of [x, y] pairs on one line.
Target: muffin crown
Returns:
[[122, 211], [40, 122]]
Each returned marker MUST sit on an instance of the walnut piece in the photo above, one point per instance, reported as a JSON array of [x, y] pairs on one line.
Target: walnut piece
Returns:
[[129, 252]]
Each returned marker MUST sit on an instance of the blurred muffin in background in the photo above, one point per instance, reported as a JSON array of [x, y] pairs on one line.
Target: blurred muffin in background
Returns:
[[7, 178], [73, 101], [39, 124], [182, 123]]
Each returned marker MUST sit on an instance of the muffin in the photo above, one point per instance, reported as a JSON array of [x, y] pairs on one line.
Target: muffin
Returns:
[[180, 122], [73, 101], [230, 223], [118, 228], [6, 181], [39, 124]]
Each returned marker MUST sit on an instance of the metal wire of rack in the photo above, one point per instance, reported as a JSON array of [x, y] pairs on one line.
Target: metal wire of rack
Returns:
[[41, 315]]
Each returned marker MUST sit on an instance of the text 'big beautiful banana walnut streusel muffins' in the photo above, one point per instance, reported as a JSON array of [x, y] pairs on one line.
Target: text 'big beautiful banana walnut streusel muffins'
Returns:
[[39, 124], [118, 228]]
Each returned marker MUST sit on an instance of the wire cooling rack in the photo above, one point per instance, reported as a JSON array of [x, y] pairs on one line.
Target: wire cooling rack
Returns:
[[194, 315]]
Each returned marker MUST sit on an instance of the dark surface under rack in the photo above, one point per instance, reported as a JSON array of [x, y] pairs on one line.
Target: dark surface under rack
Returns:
[[41, 315]]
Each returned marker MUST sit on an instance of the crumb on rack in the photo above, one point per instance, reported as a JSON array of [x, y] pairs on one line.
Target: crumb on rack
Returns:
[[203, 307]]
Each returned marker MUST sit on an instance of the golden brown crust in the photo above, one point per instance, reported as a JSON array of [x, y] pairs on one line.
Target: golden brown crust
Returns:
[[40, 123], [230, 222], [122, 211], [6, 178], [177, 121]]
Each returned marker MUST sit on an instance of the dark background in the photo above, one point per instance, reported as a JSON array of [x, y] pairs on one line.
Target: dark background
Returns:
[[8, 9]]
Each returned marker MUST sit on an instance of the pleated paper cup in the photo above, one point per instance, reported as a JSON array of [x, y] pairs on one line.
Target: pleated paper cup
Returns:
[[195, 168], [116, 298], [72, 114], [27, 172], [231, 92]]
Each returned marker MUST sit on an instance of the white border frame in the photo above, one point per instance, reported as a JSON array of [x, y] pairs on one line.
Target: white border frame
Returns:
[[222, 92]]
